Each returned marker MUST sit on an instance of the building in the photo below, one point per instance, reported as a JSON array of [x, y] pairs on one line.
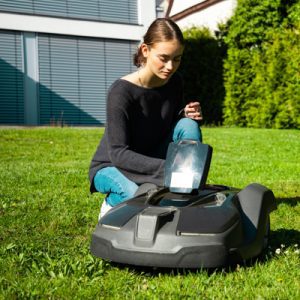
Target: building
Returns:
[[58, 57], [207, 13]]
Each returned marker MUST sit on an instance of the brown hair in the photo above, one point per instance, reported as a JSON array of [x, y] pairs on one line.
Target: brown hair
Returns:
[[161, 30]]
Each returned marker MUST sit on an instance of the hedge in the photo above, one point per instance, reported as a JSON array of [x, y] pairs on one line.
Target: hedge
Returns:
[[202, 71], [261, 71]]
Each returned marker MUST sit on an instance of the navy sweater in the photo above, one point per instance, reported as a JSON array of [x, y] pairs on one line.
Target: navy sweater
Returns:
[[139, 121]]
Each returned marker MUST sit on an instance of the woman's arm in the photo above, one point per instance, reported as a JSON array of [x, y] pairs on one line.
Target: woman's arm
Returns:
[[119, 143]]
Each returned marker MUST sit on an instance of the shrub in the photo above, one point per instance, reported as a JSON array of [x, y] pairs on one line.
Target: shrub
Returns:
[[202, 70], [262, 77]]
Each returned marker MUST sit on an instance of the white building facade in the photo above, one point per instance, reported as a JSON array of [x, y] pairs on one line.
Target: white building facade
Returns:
[[206, 13]]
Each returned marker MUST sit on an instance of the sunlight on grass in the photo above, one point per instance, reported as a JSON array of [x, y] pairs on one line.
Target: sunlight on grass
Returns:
[[48, 215]]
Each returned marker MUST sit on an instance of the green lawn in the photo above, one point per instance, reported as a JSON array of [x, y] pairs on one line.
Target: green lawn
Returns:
[[47, 216]]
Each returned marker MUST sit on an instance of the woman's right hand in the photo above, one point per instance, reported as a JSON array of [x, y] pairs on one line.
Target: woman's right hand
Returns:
[[193, 111]]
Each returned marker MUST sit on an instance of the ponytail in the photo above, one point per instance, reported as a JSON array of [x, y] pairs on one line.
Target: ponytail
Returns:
[[138, 58]]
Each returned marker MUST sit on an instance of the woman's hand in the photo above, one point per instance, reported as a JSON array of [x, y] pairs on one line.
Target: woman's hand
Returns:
[[193, 111]]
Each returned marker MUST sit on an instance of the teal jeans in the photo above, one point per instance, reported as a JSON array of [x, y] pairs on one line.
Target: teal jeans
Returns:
[[119, 188]]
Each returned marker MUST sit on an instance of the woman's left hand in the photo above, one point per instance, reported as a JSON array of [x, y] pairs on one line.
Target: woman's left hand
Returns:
[[193, 111]]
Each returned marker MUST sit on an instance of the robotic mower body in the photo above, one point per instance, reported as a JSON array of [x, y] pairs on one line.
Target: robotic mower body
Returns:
[[186, 224]]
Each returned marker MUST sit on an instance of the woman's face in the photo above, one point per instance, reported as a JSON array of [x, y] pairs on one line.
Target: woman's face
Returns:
[[163, 58]]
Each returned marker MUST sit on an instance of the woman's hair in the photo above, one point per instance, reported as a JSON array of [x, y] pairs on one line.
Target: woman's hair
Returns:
[[161, 30]]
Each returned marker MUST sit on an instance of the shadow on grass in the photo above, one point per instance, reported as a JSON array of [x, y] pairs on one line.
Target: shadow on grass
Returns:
[[286, 237], [289, 201]]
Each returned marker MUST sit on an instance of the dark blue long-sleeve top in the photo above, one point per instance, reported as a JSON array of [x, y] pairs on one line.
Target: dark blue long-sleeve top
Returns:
[[139, 120]]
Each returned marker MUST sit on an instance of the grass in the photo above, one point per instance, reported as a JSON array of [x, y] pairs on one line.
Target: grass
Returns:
[[47, 216]]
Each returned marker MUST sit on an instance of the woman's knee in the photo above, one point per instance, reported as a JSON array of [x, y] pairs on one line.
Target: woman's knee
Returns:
[[188, 129], [111, 180]]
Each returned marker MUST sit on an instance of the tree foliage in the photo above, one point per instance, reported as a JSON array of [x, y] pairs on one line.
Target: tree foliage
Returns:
[[262, 78]]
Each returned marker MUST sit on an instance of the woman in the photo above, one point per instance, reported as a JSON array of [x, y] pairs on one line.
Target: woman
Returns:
[[145, 112]]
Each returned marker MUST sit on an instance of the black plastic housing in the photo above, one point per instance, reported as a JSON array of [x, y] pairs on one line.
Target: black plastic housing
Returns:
[[186, 224], [212, 228]]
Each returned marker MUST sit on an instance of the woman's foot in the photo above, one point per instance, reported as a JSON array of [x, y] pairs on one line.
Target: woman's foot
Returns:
[[105, 207]]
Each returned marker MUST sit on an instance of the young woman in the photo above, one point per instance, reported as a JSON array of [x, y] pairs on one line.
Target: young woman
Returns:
[[145, 112]]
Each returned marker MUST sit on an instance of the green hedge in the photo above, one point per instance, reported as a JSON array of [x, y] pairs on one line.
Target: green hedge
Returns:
[[262, 78], [202, 70]]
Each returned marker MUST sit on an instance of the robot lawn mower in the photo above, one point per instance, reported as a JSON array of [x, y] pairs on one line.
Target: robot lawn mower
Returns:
[[186, 223]]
